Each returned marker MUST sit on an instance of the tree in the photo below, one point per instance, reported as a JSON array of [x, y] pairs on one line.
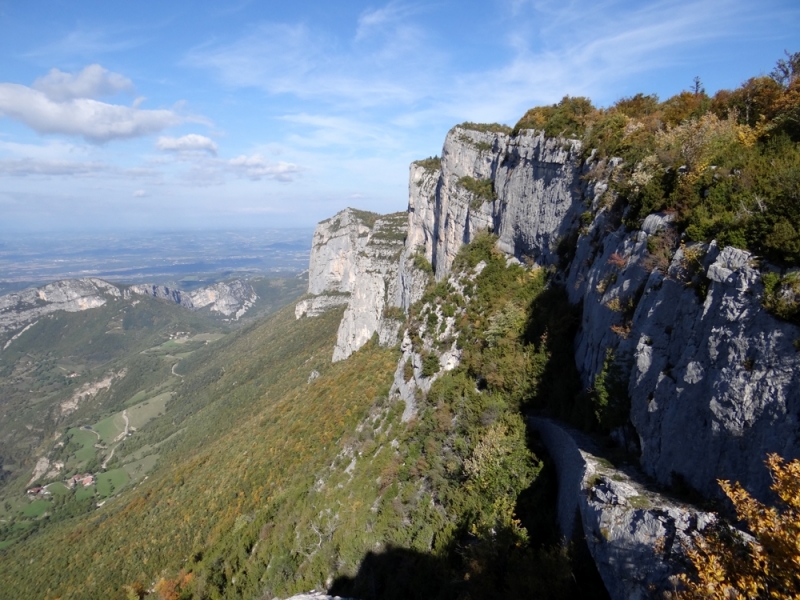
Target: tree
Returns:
[[731, 565], [786, 71], [697, 86]]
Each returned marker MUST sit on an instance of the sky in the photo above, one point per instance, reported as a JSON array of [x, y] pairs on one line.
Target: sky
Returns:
[[203, 115]]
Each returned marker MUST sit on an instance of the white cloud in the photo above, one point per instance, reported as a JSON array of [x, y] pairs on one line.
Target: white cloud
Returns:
[[22, 167], [339, 131], [92, 82], [187, 143], [394, 67], [256, 166], [139, 194], [375, 20], [63, 103]]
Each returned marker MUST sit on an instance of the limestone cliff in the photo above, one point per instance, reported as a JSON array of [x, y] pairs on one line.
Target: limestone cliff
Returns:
[[712, 377], [355, 260], [534, 201], [21, 309], [231, 299]]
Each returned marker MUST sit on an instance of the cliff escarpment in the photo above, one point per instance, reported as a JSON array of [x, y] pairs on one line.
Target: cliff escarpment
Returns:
[[712, 376], [697, 378]]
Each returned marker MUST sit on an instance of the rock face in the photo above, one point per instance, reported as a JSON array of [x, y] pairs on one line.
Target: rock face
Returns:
[[713, 379], [21, 309], [229, 298], [355, 260], [636, 536], [537, 186]]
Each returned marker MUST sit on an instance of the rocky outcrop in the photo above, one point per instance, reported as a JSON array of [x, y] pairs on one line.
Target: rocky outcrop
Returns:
[[162, 292], [315, 306], [20, 309], [229, 298], [637, 536], [355, 259], [713, 378], [537, 188]]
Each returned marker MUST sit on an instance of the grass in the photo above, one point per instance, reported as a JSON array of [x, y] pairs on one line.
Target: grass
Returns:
[[431, 164], [641, 502], [481, 189], [5, 544], [110, 427], [111, 481], [84, 492], [140, 414], [139, 468], [87, 440], [149, 449], [58, 489], [137, 397], [208, 337], [36, 508]]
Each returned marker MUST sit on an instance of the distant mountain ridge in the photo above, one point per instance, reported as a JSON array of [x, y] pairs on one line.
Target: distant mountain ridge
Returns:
[[229, 299]]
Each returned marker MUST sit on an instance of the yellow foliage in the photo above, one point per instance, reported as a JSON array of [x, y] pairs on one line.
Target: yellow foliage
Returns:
[[730, 565]]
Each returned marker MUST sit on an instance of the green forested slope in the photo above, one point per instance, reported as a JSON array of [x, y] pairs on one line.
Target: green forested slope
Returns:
[[269, 483], [63, 353]]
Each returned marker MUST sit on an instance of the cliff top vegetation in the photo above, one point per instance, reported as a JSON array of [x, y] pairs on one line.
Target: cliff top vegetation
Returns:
[[727, 165]]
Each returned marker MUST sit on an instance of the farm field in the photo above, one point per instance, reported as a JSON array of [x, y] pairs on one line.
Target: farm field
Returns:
[[111, 481]]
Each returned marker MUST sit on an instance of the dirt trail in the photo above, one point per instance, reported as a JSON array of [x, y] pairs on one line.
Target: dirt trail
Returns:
[[173, 370], [121, 436]]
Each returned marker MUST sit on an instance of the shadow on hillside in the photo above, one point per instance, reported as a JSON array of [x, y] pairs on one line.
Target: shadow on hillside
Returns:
[[487, 569], [396, 573]]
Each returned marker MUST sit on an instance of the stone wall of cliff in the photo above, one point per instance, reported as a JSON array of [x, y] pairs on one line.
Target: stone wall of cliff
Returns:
[[712, 376], [355, 260]]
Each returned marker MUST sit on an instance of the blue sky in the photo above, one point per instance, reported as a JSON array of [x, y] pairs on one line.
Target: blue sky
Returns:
[[169, 115]]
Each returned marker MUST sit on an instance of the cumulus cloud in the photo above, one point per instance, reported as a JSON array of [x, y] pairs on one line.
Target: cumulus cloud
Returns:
[[62, 103], [92, 82], [187, 143], [139, 194], [256, 166]]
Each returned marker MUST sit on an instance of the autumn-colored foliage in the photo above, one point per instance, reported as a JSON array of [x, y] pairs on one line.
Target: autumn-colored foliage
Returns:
[[731, 565]]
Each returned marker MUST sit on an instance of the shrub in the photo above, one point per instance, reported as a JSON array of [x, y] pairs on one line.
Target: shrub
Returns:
[[430, 364], [430, 164], [486, 127], [568, 118], [728, 565], [481, 189]]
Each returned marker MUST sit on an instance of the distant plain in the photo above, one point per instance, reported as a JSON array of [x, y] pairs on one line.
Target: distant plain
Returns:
[[184, 259]]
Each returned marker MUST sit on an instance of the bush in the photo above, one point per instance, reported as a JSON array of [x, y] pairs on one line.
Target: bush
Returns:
[[430, 164], [568, 118], [481, 189], [728, 565]]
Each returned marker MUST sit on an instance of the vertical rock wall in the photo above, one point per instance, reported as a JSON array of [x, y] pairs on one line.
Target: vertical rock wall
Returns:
[[712, 377], [538, 195], [355, 260]]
